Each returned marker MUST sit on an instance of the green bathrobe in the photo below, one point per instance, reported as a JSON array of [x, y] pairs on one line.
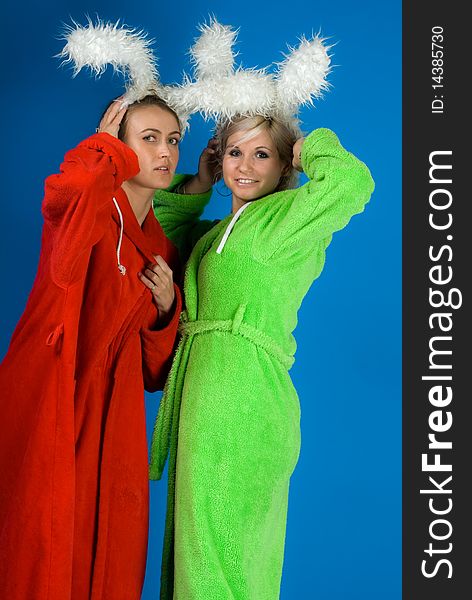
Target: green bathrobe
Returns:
[[230, 414]]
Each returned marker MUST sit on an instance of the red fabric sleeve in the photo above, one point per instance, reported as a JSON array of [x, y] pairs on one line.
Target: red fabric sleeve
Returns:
[[158, 346], [78, 200]]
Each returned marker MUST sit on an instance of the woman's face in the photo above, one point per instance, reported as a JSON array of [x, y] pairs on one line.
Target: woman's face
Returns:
[[252, 168], [154, 134]]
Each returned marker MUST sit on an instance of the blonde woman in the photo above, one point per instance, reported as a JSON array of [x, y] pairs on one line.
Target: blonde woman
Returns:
[[230, 410]]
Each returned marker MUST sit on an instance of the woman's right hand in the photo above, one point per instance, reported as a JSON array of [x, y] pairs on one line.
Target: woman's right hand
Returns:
[[207, 171], [112, 118], [208, 164]]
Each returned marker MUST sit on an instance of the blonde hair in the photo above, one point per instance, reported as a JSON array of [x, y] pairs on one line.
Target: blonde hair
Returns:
[[249, 127]]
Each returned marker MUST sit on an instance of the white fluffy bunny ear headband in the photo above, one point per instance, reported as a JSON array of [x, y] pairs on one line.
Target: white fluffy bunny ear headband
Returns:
[[221, 92], [126, 50]]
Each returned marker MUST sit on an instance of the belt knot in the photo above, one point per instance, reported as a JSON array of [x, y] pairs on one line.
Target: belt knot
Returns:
[[238, 318]]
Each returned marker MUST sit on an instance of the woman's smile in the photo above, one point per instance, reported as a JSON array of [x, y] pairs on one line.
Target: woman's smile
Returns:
[[245, 182]]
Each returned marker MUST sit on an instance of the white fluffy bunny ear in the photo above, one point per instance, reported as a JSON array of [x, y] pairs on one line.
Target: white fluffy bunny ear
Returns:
[[245, 92], [302, 75], [218, 90], [126, 50], [212, 54]]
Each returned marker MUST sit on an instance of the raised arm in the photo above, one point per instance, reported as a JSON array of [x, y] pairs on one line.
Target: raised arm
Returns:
[[340, 185], [79, 199], [179, 208]]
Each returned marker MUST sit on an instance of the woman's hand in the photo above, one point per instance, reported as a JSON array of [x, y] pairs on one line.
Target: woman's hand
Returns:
[[207, 171], [208, 164], [159, 279], [112, 118], [297, 155]]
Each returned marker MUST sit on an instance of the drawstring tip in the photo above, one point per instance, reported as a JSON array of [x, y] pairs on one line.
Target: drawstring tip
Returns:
[[122, 269]]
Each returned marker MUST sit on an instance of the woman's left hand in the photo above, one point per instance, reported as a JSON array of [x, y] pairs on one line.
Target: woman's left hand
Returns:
[[297, 155], [159, 279]]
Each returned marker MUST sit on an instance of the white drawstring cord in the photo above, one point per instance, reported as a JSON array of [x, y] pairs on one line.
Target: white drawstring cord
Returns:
[[232, 223], [121, 267]]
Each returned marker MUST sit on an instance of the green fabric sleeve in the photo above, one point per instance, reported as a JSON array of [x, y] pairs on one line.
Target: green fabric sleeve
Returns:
[[339, 187], [179, 215]]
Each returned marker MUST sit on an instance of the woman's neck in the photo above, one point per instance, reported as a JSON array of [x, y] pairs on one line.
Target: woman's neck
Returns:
[[139, 198], [236, 204]]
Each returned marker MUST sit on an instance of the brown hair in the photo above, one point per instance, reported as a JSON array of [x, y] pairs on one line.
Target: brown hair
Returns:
[[249, 127], [149, 100]]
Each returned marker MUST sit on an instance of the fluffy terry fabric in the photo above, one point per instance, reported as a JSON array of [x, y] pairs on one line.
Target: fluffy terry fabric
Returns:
[[230, 413], [73, 452]]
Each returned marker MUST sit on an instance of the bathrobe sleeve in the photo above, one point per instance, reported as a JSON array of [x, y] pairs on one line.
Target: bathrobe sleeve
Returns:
[[179, 216], [157, 341], [158, 345], [78, 200], [297, 220]]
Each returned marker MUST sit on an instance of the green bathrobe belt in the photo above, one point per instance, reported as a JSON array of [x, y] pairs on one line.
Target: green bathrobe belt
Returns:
[[294, 228], [166, 429]]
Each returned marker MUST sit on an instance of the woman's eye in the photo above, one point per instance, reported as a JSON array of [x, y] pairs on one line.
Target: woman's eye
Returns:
[[262, 155], [234, 153], [149, 138], [174, 141]]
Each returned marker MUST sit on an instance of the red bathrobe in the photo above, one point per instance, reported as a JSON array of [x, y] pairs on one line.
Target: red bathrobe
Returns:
[[73, 451]]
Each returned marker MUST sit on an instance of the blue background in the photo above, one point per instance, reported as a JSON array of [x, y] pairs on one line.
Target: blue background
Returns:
[[344, 525]]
